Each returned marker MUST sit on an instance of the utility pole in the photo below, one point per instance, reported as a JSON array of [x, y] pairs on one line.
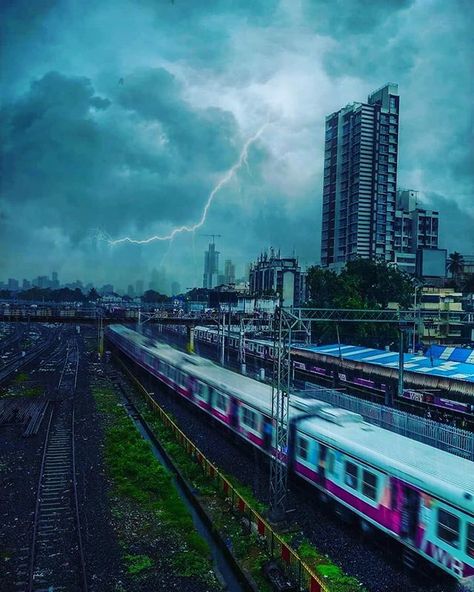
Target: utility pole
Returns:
[[401, 368], [280, 413], [222, 326]]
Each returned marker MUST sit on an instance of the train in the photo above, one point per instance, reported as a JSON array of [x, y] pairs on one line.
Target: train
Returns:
[[375, 380], [421, 496]]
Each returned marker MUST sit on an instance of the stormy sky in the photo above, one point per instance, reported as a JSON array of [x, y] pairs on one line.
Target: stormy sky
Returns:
[[119, 117]]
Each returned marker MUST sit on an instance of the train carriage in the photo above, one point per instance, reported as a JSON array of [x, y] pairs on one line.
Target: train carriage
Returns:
[[422, 496]]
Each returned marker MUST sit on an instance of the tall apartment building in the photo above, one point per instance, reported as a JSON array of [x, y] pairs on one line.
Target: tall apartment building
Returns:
[[416, 230], [211, 266], [360, 180]]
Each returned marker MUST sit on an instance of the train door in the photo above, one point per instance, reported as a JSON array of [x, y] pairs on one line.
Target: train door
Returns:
[[234, 413], [267, 433], [410, 510], [291, 444]]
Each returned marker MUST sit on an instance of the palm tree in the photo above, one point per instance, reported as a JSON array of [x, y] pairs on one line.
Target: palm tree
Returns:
[[455, 265]]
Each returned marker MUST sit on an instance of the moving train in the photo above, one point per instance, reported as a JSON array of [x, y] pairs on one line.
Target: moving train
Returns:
[[419, 495]]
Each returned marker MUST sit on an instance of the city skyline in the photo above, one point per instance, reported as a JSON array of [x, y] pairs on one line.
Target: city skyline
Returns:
[[128, 134]]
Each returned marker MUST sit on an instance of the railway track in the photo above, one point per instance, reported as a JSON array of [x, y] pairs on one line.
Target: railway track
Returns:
[[55, 559]]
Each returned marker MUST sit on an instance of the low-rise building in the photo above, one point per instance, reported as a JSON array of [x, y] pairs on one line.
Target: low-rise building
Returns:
[[273, 275], [445, 325]]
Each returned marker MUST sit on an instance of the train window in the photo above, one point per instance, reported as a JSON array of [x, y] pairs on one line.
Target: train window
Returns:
[[249, 418], [202, 391], [221, 402], [369, 484], [470, 539], [351, 477], [448, 527], [259, 349], [302, 447]]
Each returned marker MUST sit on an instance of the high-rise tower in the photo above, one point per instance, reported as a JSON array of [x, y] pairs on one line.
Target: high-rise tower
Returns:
[[211, 266], [360, 180]]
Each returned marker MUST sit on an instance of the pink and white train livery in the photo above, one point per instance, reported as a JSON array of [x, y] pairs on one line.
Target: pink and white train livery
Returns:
[[422, 496]]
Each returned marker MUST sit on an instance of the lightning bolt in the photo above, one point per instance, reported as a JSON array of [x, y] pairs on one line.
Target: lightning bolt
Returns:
[[228, 176]]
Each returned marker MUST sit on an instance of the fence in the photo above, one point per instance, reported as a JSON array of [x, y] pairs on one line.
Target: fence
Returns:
[[442, 436], [294, 566]]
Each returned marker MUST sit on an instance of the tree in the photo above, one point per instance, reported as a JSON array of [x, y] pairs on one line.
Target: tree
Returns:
[[455, 266], [378, 283], [152, 297], [468, 285], [93, 295]]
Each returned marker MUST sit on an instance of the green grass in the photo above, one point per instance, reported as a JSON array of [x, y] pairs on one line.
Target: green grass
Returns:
[[137, 563], [21, 377], [137, 475], [245, 547]]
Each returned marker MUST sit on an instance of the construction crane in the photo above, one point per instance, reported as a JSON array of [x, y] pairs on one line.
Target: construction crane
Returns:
[[213, 236]]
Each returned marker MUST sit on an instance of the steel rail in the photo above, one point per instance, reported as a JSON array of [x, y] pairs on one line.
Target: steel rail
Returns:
[[37, 507], [82, 560]]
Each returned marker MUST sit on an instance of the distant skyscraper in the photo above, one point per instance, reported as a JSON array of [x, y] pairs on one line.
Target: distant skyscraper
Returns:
[[211, 266], [229, 272], [26, 285], [175, 288], [139, 287], [360, 180], [130, 290], [12, 285], [43, 281], [54, 280]]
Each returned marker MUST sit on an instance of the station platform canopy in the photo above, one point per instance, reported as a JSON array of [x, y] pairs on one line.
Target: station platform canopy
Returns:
[[426, 364], [452, 354]]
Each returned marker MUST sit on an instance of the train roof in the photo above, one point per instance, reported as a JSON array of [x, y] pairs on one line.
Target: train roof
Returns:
[[436, 471], [445, 475], [412, 362]]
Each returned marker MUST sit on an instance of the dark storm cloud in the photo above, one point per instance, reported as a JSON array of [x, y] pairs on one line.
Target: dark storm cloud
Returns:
[[123, 115], [205, 137], [340, 17], [456, 222], [59, 155]]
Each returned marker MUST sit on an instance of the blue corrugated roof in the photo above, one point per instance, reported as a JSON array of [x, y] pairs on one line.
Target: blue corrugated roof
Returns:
[[413, 363], [454, 354]]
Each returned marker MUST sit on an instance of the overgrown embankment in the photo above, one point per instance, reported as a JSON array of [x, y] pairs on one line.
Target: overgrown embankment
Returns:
[[154, 528], [246, 546]]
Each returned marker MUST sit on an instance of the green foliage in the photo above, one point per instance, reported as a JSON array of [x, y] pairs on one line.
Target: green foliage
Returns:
[[21, 377], [335, 578], [468, 285], [151, 296], [137, 563], [189, 563], [137, 475], [362, 284], [245, 546], [455, 263], [33, 391]]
